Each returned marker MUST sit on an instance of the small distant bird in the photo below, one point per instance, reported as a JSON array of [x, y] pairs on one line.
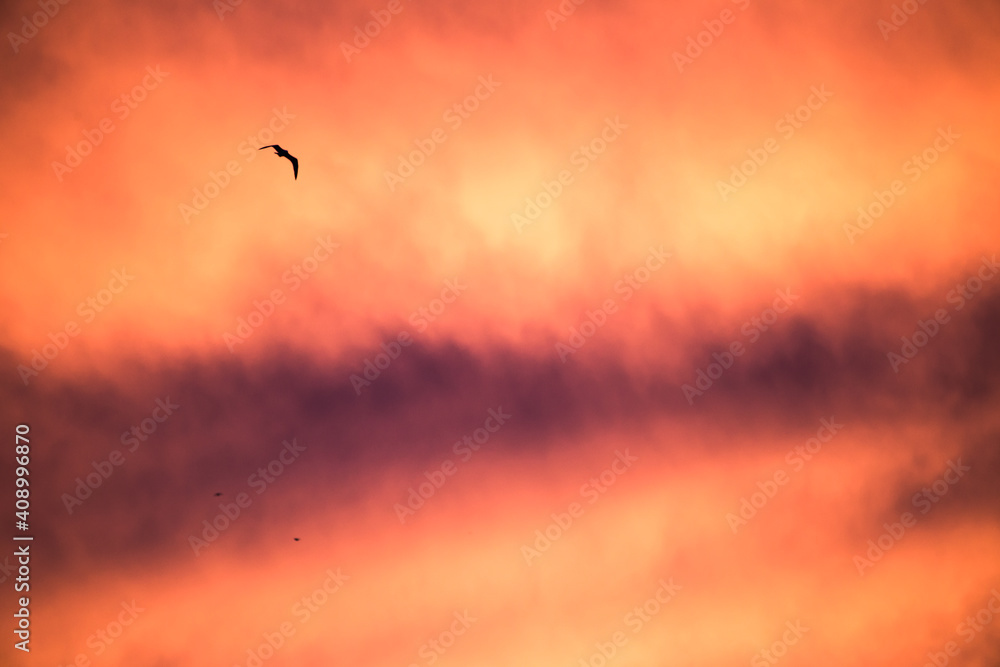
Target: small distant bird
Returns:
[[218, 493], [281, 152], [296, 539]]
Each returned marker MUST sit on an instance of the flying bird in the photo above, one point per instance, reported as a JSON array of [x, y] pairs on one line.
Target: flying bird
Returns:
[[218, 493], [281, 152]]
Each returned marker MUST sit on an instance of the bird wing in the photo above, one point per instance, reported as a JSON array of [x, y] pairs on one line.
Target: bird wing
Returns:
[[295, 166], [271, 146]]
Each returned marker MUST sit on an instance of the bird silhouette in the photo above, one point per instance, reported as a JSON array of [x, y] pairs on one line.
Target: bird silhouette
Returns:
[[218, 493], [281, 152]]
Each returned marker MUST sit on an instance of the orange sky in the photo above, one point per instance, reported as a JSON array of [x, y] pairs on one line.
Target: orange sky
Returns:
[[645, 250]]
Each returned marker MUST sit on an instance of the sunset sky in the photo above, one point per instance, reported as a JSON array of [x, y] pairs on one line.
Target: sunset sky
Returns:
[[620, 334]]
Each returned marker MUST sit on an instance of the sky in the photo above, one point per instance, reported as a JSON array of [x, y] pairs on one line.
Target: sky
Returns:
[[589, 333]]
